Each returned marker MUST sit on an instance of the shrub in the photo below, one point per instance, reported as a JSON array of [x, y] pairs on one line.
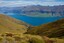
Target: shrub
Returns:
[[36, 40]]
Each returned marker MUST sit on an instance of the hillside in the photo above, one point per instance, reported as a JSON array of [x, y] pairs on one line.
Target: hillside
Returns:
[[8, 24], [54, 29], [11, 31]]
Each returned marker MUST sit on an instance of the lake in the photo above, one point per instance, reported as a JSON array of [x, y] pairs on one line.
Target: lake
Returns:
[[35, 21]]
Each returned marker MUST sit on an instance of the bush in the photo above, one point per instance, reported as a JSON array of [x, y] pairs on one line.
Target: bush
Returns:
[[1, 39], [36, 40]]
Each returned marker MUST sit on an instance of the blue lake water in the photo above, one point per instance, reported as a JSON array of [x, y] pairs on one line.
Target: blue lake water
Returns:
[[36, 21]]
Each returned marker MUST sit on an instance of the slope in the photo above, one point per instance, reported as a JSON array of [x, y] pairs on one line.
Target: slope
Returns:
[[54, 29], [8, 24]]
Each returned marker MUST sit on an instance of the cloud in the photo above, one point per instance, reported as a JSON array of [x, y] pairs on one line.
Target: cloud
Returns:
[[24, 3], [15, 3], [59, 0], [36, 0], [52, 3]]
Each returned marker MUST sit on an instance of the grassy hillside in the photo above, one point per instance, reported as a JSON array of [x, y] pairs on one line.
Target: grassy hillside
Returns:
[[54, 29], [8, 24], [11, 31]]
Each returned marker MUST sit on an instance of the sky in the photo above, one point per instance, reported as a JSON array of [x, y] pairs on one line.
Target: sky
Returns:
[[16, 3]]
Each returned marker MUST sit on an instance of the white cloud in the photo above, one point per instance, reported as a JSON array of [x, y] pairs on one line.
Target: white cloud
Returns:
[[23, 3], [16, 3], [52, 3], [30, 0], [37, 0]]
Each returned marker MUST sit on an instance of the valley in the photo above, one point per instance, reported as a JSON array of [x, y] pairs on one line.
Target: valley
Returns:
[[32, 24], [13, 30]]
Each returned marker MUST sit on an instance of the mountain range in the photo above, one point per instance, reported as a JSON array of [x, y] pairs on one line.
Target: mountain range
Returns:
[[16, 24], [35, 10], [35, 14]]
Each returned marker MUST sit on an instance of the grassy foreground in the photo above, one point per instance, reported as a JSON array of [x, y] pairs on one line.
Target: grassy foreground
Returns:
[[20, 38], [26, 38]]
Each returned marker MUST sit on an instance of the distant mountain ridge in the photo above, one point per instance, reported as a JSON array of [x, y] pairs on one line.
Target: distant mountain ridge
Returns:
[[35, 10], [44, 10]]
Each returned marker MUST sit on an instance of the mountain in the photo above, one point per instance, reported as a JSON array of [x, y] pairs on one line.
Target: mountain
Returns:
[[8, 24], [53, 29], [35, 10], [37, 14], [44, 11]]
